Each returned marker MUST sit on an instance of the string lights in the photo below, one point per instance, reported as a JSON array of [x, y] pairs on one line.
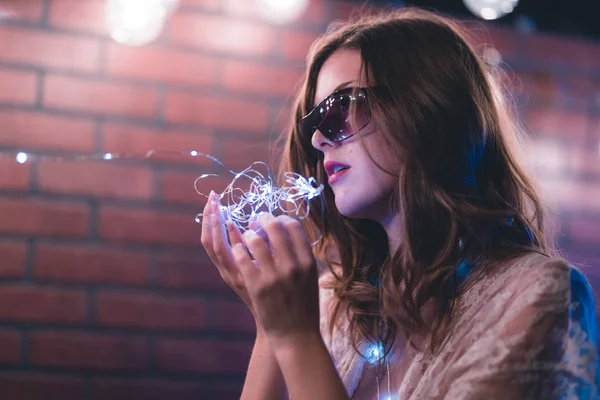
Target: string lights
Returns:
[[249, 193]]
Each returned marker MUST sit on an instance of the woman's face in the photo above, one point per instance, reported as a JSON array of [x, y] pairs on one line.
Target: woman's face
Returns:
[[363, 190]]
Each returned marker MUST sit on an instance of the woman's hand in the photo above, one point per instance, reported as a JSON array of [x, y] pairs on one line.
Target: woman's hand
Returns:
[[214, 240], [282, 280]]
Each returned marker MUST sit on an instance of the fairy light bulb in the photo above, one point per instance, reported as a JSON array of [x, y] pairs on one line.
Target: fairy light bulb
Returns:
[[137, 22], [374, 352], [22, 157], [282, 11], [491, 9]]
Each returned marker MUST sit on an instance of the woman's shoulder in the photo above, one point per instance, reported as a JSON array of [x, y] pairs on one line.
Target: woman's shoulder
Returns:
[[524, 281], [524, 273]]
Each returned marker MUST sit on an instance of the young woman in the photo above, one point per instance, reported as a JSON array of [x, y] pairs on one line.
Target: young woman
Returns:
[[431, 277]]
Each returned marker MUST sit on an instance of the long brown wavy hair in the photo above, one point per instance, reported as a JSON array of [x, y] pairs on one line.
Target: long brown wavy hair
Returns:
[[463, 197]]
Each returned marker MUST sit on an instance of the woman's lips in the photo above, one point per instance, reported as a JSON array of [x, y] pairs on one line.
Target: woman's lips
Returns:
[[334, 177]]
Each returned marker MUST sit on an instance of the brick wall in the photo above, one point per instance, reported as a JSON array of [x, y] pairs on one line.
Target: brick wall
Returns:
[[105, 292]]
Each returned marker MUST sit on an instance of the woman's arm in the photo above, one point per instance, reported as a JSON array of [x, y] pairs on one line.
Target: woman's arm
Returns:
[[307, 368], [263, 379]]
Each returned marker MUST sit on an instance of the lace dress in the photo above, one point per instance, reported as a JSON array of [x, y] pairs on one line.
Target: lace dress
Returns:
[[527, 330]]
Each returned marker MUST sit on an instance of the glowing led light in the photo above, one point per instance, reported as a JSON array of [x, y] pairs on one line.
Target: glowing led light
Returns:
[[374, 352], [488, 13], [193, 153], [137, 22], [21, 157], [282, 11], [252, 192], [491, 9], [107, 156]]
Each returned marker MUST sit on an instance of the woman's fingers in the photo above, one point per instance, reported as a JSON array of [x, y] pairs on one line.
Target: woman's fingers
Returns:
[[235, 236], [300, 242], [260, 251], [247, 267], [219, 237], [206, 235], [279, 241]]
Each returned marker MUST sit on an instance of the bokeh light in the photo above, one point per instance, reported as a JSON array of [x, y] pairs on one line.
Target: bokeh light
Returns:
[[491, 9], [282, 11], [137, 22]]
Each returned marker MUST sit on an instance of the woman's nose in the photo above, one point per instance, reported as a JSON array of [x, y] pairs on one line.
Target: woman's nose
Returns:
[[320, 142]]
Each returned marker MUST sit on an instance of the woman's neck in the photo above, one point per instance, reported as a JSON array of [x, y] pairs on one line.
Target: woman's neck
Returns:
[[392, 224]]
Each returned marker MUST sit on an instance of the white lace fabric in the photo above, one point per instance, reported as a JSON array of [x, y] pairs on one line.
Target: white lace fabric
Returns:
[[523, 331]]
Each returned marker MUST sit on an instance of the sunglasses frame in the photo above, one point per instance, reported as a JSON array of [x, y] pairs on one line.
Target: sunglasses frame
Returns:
[[362, 91]]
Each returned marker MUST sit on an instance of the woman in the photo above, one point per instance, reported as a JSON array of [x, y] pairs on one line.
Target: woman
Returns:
[[434, 279]]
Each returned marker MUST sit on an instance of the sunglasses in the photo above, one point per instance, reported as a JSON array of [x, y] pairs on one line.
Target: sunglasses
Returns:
[[333, 116]]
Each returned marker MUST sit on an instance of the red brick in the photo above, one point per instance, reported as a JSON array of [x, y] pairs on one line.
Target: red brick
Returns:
[[10, 351], [176, 271], [538, 85], [99, 179], [595, 125], [571, 125], [208, 4], [151, 312], [261, 79], [240, 154], [89, 351], [43, 218], [145, 389], [49, 49], [98, 97], [42, 131], [41, 305], [297, 44], [28, 386], [19, 10], [14, 256], [587, 160], [149, 227], [195, 356], [247, 116], [281, 124], [549, 155], [594, 54], [578, 91], [86, 264], [548, 49], [87, 16], [584, 229], [227, 391], [14, 176], [180, 187], [573, 195], [161, 65], [484, 36], [18, 87], [234, 316], [222, 35], [167, 146]]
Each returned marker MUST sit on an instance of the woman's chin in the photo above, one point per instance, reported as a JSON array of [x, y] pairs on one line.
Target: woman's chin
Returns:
[[350, 210]]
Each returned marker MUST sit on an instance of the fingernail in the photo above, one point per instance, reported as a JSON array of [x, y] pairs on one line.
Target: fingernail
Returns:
[[250, 233]]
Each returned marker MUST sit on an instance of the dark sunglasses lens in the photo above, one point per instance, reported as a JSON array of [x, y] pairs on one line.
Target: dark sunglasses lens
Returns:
[[334, 116], [347, 114]]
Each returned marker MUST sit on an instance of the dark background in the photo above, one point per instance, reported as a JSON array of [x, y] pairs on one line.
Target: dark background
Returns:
[[575, 17]]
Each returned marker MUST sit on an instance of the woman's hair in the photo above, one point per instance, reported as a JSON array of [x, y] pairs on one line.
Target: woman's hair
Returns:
[[462, 196]]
